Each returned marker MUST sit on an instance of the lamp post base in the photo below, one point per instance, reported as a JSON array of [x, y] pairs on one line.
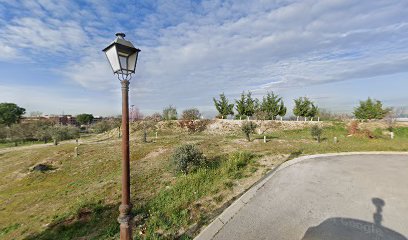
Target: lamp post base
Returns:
[[124, 220]]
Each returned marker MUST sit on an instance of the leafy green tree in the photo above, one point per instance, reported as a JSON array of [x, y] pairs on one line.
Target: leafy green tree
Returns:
[[191, 114], [273, 106], [282, 109], [313, 111], [10, 113], [170, 113], [251, 105], [370, 109], [223, 106], [305, 108], [84, 118], [246, 106], [240, 106]]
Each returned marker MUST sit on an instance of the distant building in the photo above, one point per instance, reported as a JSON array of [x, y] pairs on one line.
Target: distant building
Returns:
[[97, 119], [55, 119]]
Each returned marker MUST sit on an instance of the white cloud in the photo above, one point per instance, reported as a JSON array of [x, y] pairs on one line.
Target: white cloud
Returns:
[[192, 49]]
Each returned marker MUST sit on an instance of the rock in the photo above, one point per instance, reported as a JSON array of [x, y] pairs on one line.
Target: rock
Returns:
[[41, 168]]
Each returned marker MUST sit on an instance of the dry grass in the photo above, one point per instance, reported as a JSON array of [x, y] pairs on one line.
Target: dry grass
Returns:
[[78, 199]]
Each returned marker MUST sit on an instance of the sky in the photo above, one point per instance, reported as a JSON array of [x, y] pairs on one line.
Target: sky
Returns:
[[335, 52]]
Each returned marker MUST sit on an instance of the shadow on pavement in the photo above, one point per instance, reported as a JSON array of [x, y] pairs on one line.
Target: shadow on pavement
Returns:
[[350, 229]]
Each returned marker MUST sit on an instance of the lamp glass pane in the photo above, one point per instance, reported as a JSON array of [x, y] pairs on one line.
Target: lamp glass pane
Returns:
[[123, 62], [112, 56], [132, 62]]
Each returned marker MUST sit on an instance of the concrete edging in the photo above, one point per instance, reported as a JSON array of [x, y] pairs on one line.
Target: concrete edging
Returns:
[[218, 223]]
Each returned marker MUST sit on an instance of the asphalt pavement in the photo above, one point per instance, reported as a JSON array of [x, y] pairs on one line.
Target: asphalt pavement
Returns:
[[327, 197]]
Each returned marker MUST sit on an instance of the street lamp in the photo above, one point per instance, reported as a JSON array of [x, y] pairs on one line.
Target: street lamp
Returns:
[[122, 56]]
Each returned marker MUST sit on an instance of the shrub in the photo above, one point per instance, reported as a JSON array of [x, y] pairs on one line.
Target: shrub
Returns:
[[316, 132], [191, 114], [401, 132], [353, 128], [260, 115], [60, 133], [247, 128], [188, 158], [170, 113], [156, 117], [238, 160], [104, 126], [194, 125]]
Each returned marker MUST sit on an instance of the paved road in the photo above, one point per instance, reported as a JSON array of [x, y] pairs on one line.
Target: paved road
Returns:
[[337, 197]]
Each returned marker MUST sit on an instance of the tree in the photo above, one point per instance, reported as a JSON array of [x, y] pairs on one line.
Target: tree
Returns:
[[10, 113], [247, 128], [223, 106], [246, 106], [60, 133], [370, 109], [305, 108], [105, 125], [316, 132], [3, 131], [191, 114], [273, 106], [170, 113], [42, 131], [155, 117], [240, 106], [313, 110], [135, 114], [282, 110], [84, 118], [16, 133], [251, 105]]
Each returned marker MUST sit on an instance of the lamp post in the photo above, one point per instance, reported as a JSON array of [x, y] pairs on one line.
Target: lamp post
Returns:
[[122, 57]]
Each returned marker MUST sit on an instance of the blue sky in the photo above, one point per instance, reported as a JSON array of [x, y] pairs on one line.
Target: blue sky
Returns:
[[335, 52]]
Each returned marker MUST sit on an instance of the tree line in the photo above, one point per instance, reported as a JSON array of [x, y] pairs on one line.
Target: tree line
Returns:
[[268, 108]]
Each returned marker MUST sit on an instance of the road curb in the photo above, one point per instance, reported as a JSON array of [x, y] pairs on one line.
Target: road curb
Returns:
[[218, 223]]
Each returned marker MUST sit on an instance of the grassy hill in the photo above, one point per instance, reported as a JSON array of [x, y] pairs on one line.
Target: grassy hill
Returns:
[[78, 197]]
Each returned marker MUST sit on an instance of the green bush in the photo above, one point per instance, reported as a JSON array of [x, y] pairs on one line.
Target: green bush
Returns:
[[247, 128], [316, 132], [378, 133], [105, 125], [170, 209], [188, 158], [60, 133], [401, 132], [237, 161]]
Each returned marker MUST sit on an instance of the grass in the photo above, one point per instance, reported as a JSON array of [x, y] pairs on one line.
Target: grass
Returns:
[[7, 144], [173, 208], [79, 198]]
